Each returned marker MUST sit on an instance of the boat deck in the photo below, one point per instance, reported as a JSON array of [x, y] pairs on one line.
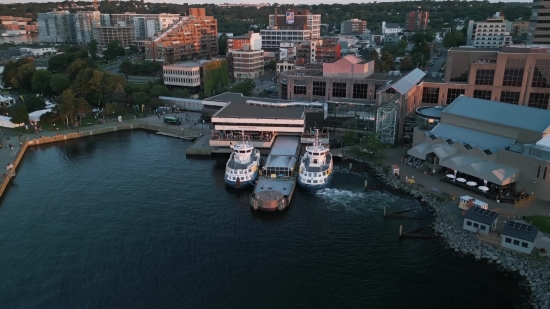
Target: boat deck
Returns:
[[236, 165], [281, 184], [321, 168]]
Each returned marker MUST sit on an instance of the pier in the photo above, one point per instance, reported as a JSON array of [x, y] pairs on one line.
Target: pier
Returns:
[[277, 182]]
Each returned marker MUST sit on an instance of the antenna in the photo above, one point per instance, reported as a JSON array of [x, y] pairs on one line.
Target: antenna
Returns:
[[244, 141]]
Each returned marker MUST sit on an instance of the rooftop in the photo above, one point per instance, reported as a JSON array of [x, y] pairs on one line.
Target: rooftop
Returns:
[[470, 137], [479, 214], [189, 64], [408, 81], [473, 49], [520, 230], [392, 25], [239, 109], [523, 117], [430, 111]]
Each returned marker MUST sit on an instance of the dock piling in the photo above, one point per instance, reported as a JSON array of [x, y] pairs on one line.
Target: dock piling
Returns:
[[400, 230], [385, 211], [350, 166], [366, 184]]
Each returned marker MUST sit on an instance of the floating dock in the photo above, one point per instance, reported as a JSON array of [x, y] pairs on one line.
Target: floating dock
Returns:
[[275, 186]]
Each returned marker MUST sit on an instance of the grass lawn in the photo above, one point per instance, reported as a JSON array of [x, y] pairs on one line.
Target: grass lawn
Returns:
[[542, 222]]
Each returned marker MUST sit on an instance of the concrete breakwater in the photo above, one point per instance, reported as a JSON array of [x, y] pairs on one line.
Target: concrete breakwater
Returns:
[[535, 270]]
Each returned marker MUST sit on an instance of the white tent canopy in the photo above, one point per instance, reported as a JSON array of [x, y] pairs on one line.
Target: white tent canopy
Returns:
[[482, 169], [6, 123], [35, 116]]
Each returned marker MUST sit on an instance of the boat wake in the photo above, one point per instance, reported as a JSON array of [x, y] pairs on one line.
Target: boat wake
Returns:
[[358, 201]]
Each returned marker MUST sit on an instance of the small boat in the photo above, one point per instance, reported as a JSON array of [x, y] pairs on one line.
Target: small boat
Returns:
[[315, 167], [242, 168]]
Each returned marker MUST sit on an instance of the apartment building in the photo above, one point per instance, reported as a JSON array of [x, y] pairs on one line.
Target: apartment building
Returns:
[[106, 34], [493, 32], [353, 26], [329, 51], [85, 22], [417, 20], [53, 27], [293, 26], [193, 36], [254, 40], [247, 63], [539, 26], [146, 25], [520, 27]]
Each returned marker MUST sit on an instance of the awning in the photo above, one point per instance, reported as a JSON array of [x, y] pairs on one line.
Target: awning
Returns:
[[483, 169], [443, 151], [420, 151]]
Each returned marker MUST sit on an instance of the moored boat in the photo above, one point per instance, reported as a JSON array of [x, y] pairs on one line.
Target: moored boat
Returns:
[[242, 168], [315, 167]]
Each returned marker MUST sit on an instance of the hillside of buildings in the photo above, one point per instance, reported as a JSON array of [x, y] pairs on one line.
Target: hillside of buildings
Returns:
[[239, 19]]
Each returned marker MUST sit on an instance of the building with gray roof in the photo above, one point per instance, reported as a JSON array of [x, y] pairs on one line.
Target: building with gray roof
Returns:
[[519, 236], [479, 220], [505, 145]]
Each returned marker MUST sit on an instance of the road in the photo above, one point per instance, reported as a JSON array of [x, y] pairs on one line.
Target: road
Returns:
[[438, 63]]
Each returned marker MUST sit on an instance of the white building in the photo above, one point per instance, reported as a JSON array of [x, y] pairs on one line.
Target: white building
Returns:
[[389, 28], [185, 74], [285, 66], [479, 220], [519, 236], [273, 38], [494, 32], [38, 52], [247, 63]]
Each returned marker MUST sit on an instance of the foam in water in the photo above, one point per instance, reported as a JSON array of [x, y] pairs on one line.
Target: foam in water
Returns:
[[359, 201]]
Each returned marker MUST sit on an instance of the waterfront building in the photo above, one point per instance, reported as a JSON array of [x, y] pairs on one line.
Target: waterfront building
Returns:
[[194, 36], [493, 32], [479, 220], [252, 39], [519, 236], [417, 20], [353, 26], [506, 145], [539, 25]]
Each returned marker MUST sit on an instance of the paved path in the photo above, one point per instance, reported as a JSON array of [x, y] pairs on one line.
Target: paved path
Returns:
[[393, 156]]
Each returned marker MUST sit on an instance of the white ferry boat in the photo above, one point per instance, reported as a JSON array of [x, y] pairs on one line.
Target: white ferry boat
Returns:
[[315, 167], [242, 168]]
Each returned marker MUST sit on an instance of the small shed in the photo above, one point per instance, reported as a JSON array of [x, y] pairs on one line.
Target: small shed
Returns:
[[467, 201], [519, 236], [477, 219], [394, 170]]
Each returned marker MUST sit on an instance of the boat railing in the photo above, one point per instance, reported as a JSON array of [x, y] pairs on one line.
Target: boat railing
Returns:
[[312, 135]]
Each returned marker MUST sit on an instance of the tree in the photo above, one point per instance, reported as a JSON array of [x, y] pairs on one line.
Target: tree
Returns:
[[222, 44], [78, 65], [387, 60], [35, 104], [406, 64], [245, 87], [418, 60], [92, 48], [126, 68], [272, 65], [19, 114], [154, 103], [88, 85], [181, 93], [113, 110], [41, 81], [66, 107], [370, 148], [23, 77], [159, 90], [81, 107], [140, 98], [59, 83], [454, 39], [10, 69], [215, 73], [114, 49]]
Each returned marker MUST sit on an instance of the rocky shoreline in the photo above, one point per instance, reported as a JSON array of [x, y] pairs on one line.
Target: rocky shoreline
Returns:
[[448, 226]]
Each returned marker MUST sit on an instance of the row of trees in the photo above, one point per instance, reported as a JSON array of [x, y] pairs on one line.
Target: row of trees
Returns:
[[127, 67]]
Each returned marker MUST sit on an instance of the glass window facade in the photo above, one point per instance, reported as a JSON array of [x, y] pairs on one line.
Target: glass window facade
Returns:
[[300, 89], [339, 90], [319, 88], [430, 95], [452, 94], [513, 73], [360, 91], [485, 77], [539, 100], [343, 116], [509, 97], [284, 91], [541, 73], [483, 94]]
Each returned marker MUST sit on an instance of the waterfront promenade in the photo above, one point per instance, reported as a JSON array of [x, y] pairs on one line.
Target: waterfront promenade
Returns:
[[153, 123]]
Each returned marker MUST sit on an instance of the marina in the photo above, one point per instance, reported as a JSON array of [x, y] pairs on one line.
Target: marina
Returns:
[[275, 186]]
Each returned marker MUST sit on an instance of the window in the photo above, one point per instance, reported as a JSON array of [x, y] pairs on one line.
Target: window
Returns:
[[339, 90], [541, 73], [299, 89], [376, 87], [509, 97], [430, 95], [476, 225], [319, 88], [284, 91], [452, 94], [468, 223], [513, 73], [508, 240], [538, 172], [485, 77], [360, 91], [483, 94], [516, 242], [524, 244], [538, 100], [482, 227]]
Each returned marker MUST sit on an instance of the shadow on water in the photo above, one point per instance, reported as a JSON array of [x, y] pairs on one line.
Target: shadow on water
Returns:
[[274, 216]]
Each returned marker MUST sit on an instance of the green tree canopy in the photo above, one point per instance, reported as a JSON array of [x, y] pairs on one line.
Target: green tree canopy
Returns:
[[66, 107], [23, 76], [139, 98], [41, 81], [406, 64], [114, 49], [245, 87], [78, 65], [92, 48], [159, 90], [35, 104], [126, 68], [454, 39], [181, 93], [59, 83], [19, 114]]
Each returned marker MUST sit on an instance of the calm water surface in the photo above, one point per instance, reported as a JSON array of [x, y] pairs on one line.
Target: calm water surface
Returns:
[[127, 221]]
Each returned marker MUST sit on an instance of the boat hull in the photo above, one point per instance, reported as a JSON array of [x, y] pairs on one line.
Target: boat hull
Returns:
[[315, 187], [243, 184]]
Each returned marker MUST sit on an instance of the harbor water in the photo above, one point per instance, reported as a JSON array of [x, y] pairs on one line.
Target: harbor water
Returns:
[[125, 220]]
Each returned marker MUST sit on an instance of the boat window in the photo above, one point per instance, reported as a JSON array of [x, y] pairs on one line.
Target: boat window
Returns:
[[250, 170], [315, 181], [240, 171], [325, 173], [314, 160], [309, 180]]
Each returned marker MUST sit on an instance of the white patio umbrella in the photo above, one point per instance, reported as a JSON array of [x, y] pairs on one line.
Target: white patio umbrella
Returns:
[[485, 183], [461, 180], [471, 183], [451, 176], [483, 188]]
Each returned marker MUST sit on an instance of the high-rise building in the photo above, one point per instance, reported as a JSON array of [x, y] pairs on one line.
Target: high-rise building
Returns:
[[293, 26], [84, 24], [106, 34], [520, 27], [53, 27], [193, 36], [493, 32], [539, 26], [417, 20], [146, 25], [247, 63], [353, 26]]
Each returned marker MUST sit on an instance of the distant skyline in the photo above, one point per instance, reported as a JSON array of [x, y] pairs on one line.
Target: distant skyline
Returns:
[[248, 1]]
